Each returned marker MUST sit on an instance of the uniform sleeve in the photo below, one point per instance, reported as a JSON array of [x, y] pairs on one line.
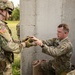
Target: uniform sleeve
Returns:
[[10, 45], [49, 42], [57, 51], [6, 41]]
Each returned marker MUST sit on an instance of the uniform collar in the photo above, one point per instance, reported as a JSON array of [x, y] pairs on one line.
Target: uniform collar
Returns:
[[64, 39]]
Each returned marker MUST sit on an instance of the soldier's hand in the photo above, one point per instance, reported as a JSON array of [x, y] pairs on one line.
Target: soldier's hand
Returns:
[[37, 41], [25, 39], [33, 38], [29, 44], [28, 38]]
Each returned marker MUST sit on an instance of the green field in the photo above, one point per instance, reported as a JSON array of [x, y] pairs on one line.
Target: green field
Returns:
[[12, 26], [16, 64]]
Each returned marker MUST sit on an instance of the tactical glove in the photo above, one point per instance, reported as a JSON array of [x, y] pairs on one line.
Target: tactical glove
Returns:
[[27, 39], [29, 44]]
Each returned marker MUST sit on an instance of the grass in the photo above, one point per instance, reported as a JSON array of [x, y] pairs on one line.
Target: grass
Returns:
[[12, 26], [16, 64]]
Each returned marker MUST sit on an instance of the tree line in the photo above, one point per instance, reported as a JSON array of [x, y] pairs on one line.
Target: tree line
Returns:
[[15, 14]]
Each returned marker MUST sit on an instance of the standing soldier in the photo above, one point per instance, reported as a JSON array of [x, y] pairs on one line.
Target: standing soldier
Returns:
[[60, 49], [7, 45]]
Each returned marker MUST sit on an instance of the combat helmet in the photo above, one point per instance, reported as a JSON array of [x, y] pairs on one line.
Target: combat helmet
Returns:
[[5, 4]]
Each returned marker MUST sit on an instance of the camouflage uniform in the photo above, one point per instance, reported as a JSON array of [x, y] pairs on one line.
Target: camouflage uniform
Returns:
[[5, 66], [7, 47], [61, 51], [7, 44]]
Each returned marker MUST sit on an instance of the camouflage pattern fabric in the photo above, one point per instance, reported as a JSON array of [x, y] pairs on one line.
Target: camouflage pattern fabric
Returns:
[[61, 51], [6, 4], [29, 42], [7, 44], [2, 66], [71, 72], [8, 69], [47, 68], [5, 68]]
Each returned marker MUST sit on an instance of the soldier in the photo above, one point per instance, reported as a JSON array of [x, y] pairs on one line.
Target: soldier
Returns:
[[60, 49], [7, 45]]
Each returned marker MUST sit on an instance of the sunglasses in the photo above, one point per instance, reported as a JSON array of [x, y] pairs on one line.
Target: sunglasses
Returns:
[[10, 12]]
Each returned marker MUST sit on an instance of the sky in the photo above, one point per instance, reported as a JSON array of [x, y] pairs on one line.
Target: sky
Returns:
[[16, 2]]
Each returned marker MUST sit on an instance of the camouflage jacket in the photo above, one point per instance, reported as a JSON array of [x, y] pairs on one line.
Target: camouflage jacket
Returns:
[[61, 51], [6, 41]]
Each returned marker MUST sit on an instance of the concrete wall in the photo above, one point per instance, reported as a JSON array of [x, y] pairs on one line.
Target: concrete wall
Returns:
[[27, 28], [41, 18]]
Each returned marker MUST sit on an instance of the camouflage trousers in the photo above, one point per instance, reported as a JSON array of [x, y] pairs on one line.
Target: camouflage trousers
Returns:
[[43, 67], [47, 68], [5, 68]]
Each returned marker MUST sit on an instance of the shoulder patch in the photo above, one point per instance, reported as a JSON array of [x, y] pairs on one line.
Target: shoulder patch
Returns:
[[2, 30], [2, 27], [5, 33]]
